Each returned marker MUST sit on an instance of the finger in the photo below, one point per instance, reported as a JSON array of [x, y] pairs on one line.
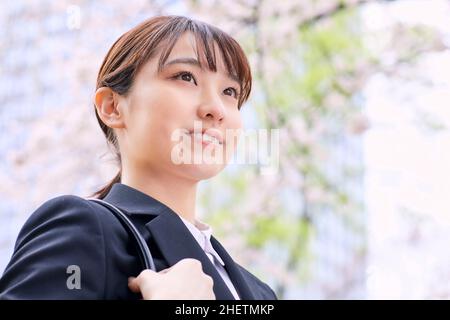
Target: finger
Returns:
[[165, 270], [133, 284]]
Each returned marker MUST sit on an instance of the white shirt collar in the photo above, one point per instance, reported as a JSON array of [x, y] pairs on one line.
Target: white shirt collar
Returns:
[[202, 233]]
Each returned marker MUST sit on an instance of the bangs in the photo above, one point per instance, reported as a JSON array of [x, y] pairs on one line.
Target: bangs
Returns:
[[206, 36]]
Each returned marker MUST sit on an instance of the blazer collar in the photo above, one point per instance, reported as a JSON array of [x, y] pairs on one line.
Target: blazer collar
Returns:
[[174, 239], [133, 201]]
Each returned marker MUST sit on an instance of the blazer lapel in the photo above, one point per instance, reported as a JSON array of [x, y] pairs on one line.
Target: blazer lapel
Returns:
[[234, 273], [176, 243]]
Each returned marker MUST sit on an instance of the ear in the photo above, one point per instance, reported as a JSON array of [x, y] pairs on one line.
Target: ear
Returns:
[[107, 104]]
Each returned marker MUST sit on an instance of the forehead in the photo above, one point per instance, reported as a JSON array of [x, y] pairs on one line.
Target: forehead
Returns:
[[187, 46], [186, 43]]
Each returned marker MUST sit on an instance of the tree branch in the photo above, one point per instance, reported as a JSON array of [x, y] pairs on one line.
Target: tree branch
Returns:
[[338, 7]]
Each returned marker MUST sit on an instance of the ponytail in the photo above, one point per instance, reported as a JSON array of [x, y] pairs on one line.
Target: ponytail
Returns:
[[100, 194]]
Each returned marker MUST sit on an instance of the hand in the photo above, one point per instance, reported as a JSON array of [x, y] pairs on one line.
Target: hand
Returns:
[[185, 280]]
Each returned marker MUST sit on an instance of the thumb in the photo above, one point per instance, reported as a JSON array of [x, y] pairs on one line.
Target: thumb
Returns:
[[133, 284]]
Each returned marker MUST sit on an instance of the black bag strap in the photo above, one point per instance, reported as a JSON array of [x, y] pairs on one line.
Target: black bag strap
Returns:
[[144, 252]]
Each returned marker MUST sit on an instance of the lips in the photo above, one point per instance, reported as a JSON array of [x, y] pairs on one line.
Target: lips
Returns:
[[209, 135]]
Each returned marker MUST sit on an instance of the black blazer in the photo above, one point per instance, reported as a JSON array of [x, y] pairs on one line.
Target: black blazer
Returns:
[[70, 230]]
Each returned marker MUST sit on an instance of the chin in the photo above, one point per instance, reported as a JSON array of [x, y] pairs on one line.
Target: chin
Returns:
[[200, 171]]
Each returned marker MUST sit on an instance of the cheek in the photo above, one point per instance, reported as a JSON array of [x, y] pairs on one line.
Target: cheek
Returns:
[[158, 109], [168, 115], [234, 120], [147, 121], [234, 128], [173, 106]]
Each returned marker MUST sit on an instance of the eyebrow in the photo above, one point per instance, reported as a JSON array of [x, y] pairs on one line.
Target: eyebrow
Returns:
[[194, 62]]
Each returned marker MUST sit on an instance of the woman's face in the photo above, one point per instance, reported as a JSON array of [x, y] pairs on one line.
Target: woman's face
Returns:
[[162, 109]]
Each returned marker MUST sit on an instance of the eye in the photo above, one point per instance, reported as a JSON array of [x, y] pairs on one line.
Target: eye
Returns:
[[185, 76], [231, 91]]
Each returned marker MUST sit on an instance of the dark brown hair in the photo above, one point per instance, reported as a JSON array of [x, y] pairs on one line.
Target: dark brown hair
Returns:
[[159, 34]]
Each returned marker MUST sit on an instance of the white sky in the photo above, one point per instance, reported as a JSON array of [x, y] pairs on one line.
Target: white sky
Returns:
[[408, 166]]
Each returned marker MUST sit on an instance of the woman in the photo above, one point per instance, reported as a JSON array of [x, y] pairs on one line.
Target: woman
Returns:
[[168, 77]]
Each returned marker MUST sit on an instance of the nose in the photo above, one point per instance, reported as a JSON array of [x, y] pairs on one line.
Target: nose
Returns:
[[211, 108]]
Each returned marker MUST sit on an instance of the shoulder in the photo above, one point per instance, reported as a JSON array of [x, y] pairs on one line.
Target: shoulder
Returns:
[[70, 223], [66, 216], [62, 208], [264, 291], [65, 206], [64, 231]]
